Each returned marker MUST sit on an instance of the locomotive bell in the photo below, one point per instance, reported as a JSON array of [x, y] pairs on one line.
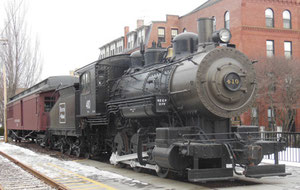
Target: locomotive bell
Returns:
[[154, 55]]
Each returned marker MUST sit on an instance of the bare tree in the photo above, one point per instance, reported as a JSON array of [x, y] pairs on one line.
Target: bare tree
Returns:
[[20, 54], [279, 89]]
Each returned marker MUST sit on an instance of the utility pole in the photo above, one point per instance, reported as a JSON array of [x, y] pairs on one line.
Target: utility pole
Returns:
[[4, 96], [5, 102]]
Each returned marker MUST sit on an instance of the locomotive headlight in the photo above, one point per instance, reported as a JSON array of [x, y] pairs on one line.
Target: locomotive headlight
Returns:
[[222, 36], [225, 35]]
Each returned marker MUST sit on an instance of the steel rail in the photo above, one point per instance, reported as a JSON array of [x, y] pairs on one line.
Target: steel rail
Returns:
[[35, 173]]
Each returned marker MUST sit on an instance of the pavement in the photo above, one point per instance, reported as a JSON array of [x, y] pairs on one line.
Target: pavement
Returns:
[[273, 183]]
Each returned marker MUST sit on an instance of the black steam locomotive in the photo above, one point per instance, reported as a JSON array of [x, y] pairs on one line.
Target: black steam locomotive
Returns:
[[168, 113]]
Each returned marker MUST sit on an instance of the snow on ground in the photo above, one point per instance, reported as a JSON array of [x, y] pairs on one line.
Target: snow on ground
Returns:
[[48, 165], [293, 164]]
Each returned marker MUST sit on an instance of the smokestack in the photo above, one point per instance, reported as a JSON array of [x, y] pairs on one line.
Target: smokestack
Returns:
[[126, 30], [205, 30]]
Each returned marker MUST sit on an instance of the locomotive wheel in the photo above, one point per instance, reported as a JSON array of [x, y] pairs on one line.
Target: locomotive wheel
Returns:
[[70, 148], [163, 172], [87, 155], [133, 143], [121, 146], [69, 151], [63, 145], [77, 148], [51, 143], [62, 148], [77, 152], [133, 149]]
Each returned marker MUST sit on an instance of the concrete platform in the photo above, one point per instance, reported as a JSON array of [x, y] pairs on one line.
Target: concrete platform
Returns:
[[154, 182]]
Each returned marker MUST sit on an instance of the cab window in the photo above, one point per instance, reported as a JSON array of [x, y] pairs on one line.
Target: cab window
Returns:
[[85, 83]]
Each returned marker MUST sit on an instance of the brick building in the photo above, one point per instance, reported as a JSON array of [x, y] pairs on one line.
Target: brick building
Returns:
[[260, 28], [157, 31]]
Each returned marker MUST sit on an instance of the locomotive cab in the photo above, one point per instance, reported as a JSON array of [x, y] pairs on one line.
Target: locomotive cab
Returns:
[[87, 92], [96, 80]]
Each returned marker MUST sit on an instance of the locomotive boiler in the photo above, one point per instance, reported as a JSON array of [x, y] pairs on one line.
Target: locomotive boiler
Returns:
[[168, 112]]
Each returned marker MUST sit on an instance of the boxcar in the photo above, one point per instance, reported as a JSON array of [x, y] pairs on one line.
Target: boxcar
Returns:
[[28, 111]]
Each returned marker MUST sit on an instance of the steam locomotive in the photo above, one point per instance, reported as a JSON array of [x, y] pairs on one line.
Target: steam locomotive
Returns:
[[166, 112]]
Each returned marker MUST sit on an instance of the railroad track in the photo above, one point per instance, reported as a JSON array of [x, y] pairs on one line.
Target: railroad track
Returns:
[[15, 175], [59, 177]]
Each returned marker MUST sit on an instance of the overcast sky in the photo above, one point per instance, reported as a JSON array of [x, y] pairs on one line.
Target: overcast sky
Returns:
[[71, 31]]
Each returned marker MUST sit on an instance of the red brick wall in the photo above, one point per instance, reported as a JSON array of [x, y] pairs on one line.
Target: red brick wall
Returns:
[[171, 22], [218, 10], [248, 26], [255, 33]]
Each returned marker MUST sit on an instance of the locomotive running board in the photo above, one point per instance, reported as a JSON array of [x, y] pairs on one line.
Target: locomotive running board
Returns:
[[266, 171], [115, 158]]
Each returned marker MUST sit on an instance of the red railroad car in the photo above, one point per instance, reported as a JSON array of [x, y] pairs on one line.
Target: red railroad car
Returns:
[[28, 111]]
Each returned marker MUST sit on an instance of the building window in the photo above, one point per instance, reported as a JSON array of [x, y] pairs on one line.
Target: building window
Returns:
[[102, 53], [270, 48], [286, 19], [269, 17], [161, 35], [112, 49], [119, 46], [174, 33], [106, 51], [271, 117], [254, 112], [141, 36], [227, 20], [130, 43], [214, 23], [254, 116], [288, 50], [270, 114]]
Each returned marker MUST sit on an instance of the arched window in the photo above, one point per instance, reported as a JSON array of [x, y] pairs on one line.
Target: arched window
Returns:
[[227, 20], [269, 17], [286, 15]]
